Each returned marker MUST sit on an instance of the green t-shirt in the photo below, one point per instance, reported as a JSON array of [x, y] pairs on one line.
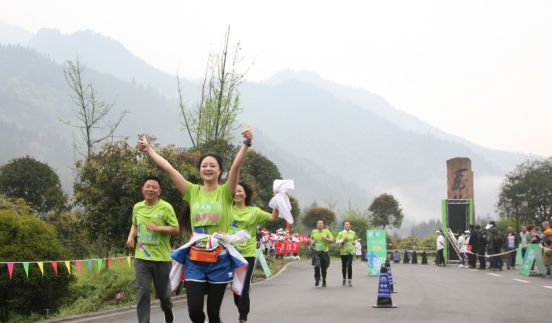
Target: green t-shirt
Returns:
[[210, 212], [319, 243], [153, 246], [347, 247], [247, 219]]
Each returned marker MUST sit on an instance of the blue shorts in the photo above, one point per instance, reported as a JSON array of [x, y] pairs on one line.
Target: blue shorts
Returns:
[[217, 273]]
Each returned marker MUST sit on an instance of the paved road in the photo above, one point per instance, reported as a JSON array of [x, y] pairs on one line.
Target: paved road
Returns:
[[426, 293]]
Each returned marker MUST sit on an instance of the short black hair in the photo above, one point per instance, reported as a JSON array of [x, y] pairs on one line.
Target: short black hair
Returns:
[[478, 227], [471, 226], [154, 178], [322, 222], [346, 221]]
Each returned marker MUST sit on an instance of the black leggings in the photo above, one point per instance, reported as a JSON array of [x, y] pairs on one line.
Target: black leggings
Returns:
[[347, 266], [441, 257], [196, 294], [243, 302]]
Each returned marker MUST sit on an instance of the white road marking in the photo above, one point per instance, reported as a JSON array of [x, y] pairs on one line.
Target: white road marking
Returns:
[[494, 274], [547, 287], [523, 281]]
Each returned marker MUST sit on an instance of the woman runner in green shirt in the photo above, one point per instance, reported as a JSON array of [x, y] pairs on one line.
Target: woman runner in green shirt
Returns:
[[247, 217], [347, 239], [211, 207]]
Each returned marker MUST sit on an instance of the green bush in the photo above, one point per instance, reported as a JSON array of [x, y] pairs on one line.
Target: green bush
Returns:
[[26, 238]]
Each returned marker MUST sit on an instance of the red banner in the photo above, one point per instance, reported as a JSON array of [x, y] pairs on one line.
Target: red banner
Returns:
[[303, 239], [287, 247]]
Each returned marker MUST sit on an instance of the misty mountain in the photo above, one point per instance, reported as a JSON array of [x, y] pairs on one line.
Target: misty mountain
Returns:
[[379, 106], [105, 55], [10, 34]]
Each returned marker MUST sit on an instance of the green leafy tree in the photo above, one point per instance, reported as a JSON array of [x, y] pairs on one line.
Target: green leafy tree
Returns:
[[315, 214], [26, 238], [531, 182], [88, 110], [429, 241], [20, 206], [109, 184], [386, 212], [71, 234], [360, 222], [214, 116], [35, 182]]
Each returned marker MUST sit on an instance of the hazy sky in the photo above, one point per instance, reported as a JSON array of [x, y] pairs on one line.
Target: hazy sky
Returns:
[[481, 70]]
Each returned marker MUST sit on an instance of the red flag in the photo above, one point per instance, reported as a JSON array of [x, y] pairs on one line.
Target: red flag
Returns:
[[54, 264], [287, 226], [121, 261], [109, 262], [78, 265], [10, 269]]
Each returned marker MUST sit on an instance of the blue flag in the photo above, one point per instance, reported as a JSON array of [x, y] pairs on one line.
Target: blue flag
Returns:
[[340, 227]]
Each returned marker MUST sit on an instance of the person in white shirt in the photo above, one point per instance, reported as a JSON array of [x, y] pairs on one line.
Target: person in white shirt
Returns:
[[358, 249], [295, 238], [463, 247], [440, 248]]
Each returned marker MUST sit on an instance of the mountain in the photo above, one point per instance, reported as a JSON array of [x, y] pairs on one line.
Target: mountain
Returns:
[[380, 107], [14, 35], [105, 55]]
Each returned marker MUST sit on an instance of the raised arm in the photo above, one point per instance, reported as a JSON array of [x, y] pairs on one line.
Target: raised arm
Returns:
[[176, 177], [234, 173], [274, 216]]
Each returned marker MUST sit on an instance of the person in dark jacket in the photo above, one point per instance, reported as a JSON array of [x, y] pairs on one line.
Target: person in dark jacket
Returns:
[[472, 258], [481, 245], [511, 242]]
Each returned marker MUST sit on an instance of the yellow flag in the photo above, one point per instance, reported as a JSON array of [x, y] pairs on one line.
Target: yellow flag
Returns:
[[41, 265], [68, 266], [128, 259]]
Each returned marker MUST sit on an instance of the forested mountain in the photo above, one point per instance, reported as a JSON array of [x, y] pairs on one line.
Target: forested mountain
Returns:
[[348, 147]]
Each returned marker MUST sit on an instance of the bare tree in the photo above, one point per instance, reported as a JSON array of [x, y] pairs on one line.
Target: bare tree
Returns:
[[88, 110], [214, 115]]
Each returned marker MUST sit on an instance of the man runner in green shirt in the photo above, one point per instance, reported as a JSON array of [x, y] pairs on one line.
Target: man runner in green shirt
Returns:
[[320, 239], [153, 221]]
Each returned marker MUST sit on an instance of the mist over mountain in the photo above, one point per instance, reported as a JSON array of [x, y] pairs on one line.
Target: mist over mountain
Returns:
[[10, 34], [333, 140]]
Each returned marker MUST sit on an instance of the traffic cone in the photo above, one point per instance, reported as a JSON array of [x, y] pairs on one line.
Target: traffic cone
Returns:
[[424, 258], [406, 258], [391, 281], [384, 291], [414, 258]]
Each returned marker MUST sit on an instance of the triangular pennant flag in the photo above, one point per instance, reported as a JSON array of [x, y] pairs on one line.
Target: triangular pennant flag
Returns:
[[109, 262], [54, 264], [41, 266], [26, 266], [128, 259], [68, 266], [121, 261], [100, 265], [90, 265], [78, 265], [10, 269]]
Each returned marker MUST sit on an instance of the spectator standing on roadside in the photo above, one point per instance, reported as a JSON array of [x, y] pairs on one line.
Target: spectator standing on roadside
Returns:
[[481, 245], [494, 246], [546, 231], [523, 236], [440, 248], [472, 257], [547, 259], [462, 247], [511, 242]]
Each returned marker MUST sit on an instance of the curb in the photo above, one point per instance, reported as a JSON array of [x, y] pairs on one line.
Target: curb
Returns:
[[178, 299]]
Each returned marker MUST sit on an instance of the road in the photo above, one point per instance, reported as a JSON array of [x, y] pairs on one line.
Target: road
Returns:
[[426, 293]]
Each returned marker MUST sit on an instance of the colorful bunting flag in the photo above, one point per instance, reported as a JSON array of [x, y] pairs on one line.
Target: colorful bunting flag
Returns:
[[10, 269], [41, 266], [109, 262], [68, 266], [78, 265], [54, 264], [26, 266], [128, 259], [121, 261], [100, 265]]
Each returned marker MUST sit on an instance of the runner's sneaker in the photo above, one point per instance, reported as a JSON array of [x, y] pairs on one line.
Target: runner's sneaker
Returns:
[[169, 316], [461, 266], [344, 282], [317, 283], [350, 283], [323, 284]]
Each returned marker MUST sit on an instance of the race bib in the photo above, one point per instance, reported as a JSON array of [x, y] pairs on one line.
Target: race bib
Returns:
[[147, 237], [320, 246], [206, 214], [348, 246]]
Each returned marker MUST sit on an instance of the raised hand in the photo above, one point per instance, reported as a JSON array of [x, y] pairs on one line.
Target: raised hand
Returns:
[[247, 134], [143, 144]]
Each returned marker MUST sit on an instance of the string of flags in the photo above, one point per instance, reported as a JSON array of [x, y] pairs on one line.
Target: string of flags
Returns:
[[410, 247], [67, 264]]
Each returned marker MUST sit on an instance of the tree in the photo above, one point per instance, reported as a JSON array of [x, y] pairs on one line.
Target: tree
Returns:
[[360, 222], [530, 181], [385, 211], [20, 206], [88, 110], [214, 115], [315, 214], [35, 182], [109, 181], [25, 238], [71, 235]]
